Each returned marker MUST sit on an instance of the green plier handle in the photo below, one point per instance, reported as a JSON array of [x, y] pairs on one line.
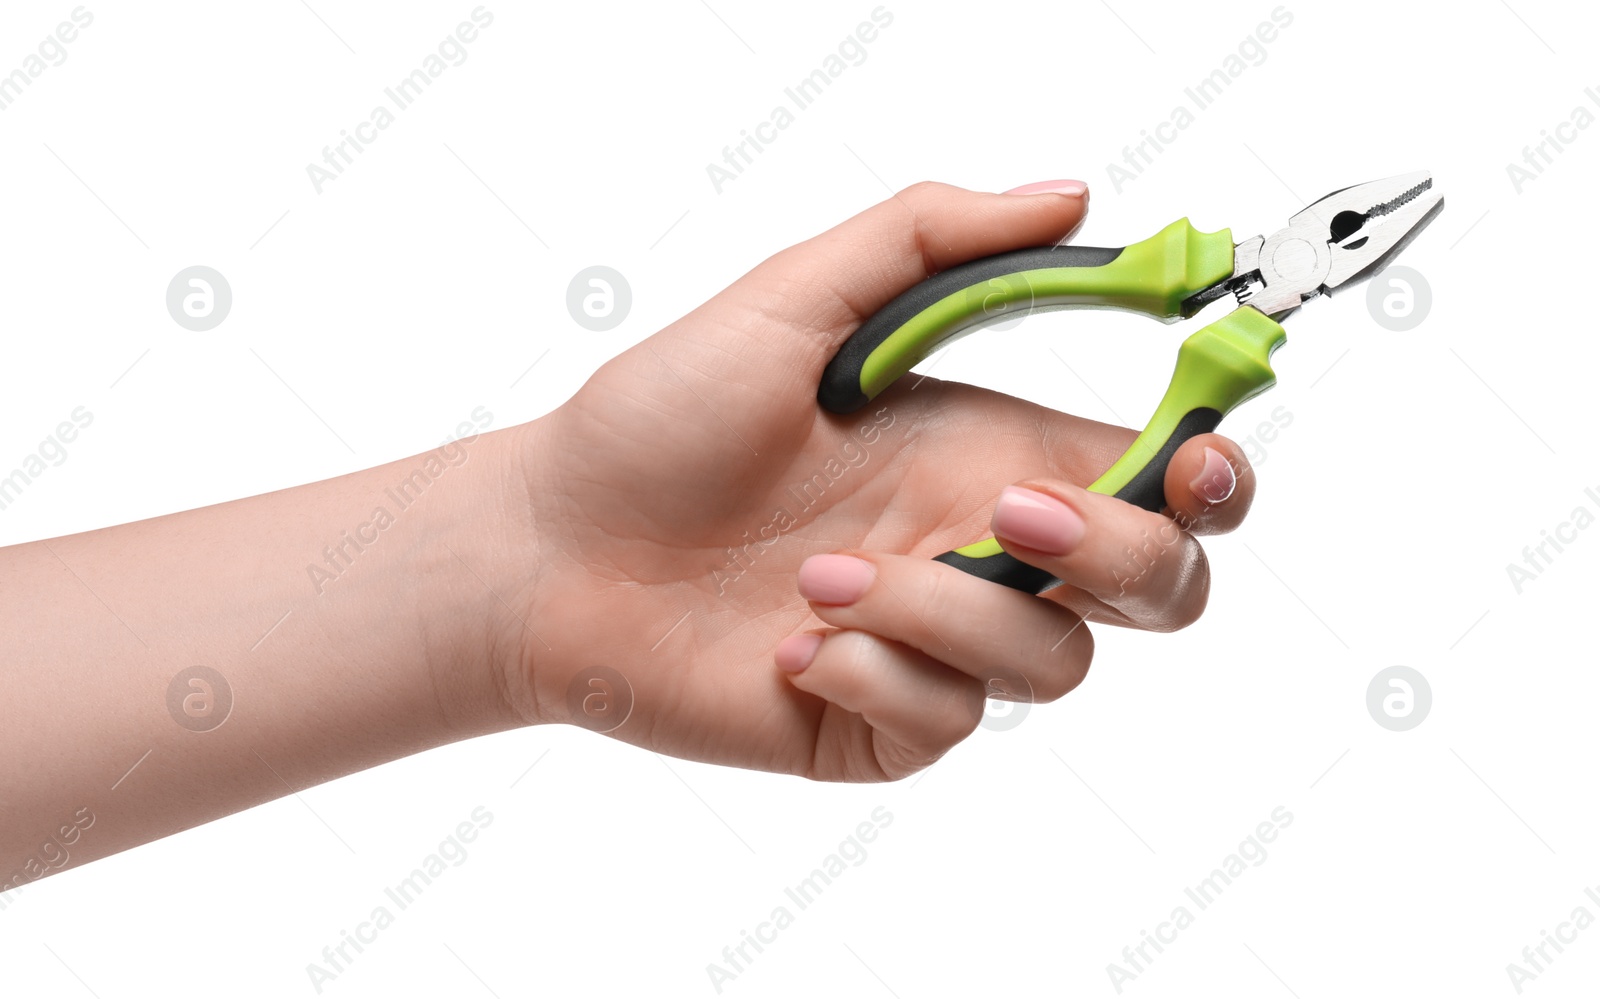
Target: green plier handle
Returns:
[[1219, 367]]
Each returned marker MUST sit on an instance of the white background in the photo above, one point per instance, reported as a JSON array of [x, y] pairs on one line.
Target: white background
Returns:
[[428, 278]]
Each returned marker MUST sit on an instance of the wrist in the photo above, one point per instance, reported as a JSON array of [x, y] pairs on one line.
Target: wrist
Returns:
[[444, 564], [523, 617], [562, 620], [468, 566]]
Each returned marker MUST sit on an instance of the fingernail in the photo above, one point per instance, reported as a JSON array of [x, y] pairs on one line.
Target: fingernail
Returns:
[[1037, 521], [835, 579], [1216, 480], [1071, 188], [795, 653]]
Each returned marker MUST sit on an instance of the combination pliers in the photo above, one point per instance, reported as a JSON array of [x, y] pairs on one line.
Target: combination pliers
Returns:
[[1335, 241]]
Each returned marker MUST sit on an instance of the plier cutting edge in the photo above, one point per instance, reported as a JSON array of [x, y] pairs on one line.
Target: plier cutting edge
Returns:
[[1335, 241]]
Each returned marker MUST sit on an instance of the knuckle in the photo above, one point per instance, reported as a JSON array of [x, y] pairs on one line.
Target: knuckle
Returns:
[[1064, 665], [1051, 685], [931, 595], [1079, 653], [1187, 596], [856, 654], [898, 760], [958, 718], [1195, 606], [1163, 583], [921, 191]]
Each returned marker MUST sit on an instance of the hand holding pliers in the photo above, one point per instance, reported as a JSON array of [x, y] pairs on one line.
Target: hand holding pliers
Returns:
[[1335, 241]]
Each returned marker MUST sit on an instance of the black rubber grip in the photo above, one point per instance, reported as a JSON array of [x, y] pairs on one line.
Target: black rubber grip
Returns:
[[1147, 488], [1002, 569], [840, 391]]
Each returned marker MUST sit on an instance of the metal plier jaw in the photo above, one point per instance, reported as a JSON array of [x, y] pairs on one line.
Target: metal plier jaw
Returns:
[[1336, 240]]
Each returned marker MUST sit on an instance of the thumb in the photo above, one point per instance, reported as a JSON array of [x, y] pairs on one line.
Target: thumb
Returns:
[[854, 269]]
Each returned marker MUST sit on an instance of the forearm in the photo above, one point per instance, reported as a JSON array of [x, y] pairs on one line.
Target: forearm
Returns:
[[352, 621]]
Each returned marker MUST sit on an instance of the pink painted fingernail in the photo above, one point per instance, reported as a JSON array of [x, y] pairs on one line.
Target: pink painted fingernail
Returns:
[[1037, 521], [795, 653], [1216, 480], [1071, 188], [835, 579]]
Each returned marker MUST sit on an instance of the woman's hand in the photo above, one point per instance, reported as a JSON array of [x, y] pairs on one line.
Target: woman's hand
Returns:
[[689, 555], [724, 572]]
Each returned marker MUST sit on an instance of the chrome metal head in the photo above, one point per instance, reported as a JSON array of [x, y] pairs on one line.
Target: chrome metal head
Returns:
[[1337, 240]]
